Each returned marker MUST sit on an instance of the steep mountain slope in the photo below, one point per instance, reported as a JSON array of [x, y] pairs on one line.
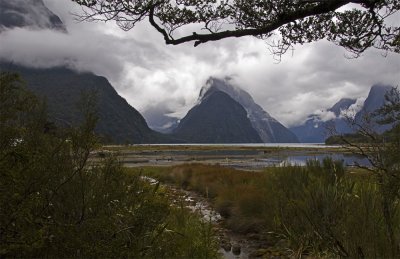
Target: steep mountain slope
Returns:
[[268, 128], [375, 99], [28, 13], [62, 88], [342, 105], [217, 119], [157, 118], [315, 130]]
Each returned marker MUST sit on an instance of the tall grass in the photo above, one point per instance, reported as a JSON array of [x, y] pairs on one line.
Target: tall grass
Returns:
[[323, 211], [319, 209]]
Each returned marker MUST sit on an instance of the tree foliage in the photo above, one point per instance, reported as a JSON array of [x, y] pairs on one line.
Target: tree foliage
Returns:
[[57, 200], [382, 151], [325, 212], [354, 24]]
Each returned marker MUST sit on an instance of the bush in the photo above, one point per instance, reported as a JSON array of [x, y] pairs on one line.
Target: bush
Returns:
[[318, 210], [323, 212], [57, 202]]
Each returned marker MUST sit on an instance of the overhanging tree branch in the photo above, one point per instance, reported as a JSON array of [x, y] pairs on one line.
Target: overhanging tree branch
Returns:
[[294, 21]]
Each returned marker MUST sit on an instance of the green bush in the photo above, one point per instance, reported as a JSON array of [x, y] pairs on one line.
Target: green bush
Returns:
[[323, 212], [55, 201], [319, 210]]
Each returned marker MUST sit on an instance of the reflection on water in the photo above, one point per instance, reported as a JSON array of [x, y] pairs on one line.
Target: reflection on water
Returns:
[[292, 145], [348, 160], [300, 160], [255, 157]]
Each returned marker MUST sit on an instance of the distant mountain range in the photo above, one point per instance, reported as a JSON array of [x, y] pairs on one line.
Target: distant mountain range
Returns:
[[316, 130], [224, 112], [62, 89]]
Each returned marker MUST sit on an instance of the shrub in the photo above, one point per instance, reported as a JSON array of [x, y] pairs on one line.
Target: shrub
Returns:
[[56, 202], [322, 211]]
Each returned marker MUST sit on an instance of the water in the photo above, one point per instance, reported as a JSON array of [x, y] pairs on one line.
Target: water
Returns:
[[347, 159], [292, 145], [250, 156]]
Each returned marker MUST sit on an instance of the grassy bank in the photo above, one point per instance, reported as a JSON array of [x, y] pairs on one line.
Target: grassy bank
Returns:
[[320, 210], [266, 149]]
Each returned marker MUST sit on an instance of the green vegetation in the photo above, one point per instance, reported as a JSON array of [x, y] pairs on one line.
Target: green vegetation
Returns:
[[339, 139], [319, 210], [55, 203]]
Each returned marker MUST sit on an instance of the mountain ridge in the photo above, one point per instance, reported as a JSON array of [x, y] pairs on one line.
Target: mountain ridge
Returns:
[[118, 122], [268, 128], [217, 119], [314, 130], [28, 13]]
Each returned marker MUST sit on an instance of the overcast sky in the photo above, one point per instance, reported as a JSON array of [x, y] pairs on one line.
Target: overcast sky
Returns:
[[150, 74]]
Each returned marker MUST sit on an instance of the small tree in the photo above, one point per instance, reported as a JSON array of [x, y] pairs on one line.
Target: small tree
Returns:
[[382, 151]]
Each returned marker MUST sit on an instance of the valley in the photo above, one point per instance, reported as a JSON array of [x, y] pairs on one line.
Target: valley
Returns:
[[113, 145]]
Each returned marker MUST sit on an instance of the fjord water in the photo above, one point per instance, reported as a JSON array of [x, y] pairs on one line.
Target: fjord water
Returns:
[[248, 156]]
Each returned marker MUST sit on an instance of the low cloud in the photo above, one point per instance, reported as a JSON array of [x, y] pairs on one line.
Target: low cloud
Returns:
[[353, 109], [148, 73]]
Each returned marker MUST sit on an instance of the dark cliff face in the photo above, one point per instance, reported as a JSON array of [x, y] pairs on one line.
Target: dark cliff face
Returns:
[[375, 100], [217, 119], [268, 128], [28, 13], [62, 89]]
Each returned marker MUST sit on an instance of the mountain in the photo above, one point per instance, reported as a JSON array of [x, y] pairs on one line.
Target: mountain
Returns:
[[157, 118], [268, 128], [314, 130], [342, 105], [217, 119], [62, 88], [28, 13], [375, 100]]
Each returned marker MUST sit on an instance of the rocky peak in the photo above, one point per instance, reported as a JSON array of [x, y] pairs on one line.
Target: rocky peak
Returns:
[[28, 13]]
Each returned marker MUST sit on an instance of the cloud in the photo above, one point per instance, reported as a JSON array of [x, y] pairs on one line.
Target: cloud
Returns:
[[353, 109], [150, 74], [30, 13]]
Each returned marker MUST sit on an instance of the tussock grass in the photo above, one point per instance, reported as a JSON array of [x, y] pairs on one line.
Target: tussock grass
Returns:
[[322, 209]]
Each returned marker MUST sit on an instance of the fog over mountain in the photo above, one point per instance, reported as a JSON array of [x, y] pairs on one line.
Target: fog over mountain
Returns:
[[217, 118], [340, 117], [268, 128], [62, 88], [148, 74], [28, 13]]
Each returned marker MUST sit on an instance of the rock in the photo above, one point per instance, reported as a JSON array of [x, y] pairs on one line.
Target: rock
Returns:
[[236, 249], [226, 246], [259, 253]]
